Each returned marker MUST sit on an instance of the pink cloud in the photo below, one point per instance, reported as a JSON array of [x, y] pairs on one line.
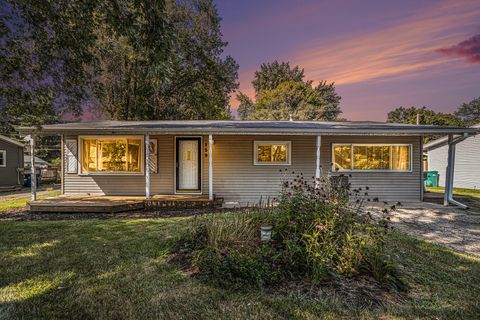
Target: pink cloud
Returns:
[[396, 51], [468, 49], [401, 50]]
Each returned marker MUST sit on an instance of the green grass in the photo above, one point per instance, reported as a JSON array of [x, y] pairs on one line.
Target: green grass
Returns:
[[473, 199], [459, 191], [104, 269], [18, 203]]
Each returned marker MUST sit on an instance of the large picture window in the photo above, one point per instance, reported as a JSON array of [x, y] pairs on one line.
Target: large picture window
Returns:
[[372, 157], [272, 152], [112, 154]]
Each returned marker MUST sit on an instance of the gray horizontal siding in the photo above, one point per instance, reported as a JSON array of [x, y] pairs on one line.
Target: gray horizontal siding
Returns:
[[387, 186], [236, 178], [437, 161], [162, 182], [467, 163], [9, 176], [105, 184]]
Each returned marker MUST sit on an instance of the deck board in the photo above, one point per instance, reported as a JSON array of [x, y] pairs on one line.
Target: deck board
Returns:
[[112, 204]]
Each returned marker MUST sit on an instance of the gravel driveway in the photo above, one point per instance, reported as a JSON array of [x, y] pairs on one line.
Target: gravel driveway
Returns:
[[450, 226]]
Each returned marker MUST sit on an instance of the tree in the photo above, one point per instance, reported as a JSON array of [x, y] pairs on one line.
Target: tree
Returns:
[[246, 106], [427, 116], [199, 79], [58, 46], [331, 100], [135, 59], [53, 52], [469, 112], [297, 100], [281, 94], [272, 74]]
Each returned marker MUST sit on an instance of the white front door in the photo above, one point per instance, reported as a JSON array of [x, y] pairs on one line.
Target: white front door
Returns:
[[188, 165]]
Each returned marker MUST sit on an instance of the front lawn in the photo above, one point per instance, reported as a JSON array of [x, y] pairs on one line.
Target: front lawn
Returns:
[[106, 269], [472, 196], [22, 202], [458, 191]]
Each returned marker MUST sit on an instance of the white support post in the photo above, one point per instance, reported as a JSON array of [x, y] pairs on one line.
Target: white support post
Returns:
[[449, 177], [147, 166], [62, 164], [318, 168], [447, 173], [452, 171], [210, 167], [422, 182], [33, 175]]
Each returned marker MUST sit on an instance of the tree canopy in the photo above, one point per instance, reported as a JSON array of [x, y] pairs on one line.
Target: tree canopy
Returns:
[[273, 74], [133, 59], [199, 80], [281, 93], [427, 116], [469, 112]]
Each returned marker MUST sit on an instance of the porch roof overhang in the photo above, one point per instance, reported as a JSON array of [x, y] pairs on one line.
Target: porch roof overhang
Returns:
[[221, 127], [443, 141]]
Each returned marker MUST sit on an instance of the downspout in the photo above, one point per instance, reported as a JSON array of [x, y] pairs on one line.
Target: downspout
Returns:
[[448, 197]]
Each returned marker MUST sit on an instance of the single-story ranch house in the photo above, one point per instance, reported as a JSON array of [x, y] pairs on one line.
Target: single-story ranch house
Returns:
[[467, 160], [238, 161]]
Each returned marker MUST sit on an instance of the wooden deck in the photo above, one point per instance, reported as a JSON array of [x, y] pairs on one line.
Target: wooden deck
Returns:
[[112, 204]]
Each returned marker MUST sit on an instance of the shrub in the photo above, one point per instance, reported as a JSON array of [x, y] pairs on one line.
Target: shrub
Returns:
[[320, 232]]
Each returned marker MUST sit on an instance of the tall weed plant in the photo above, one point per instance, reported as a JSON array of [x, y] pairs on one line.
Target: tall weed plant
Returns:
[[321, 231]]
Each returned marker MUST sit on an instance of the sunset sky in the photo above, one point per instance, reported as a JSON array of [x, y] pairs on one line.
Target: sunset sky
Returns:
[[381, 54]]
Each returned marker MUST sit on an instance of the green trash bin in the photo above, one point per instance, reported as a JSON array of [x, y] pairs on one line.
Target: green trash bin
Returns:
[[431, 179]]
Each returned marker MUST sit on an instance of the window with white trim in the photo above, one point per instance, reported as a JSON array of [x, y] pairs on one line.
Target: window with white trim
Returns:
[[272, 152], [111, 154], [3, 158], [372, 157]]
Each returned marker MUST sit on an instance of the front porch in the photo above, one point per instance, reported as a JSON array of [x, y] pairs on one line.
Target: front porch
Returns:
[[113, 204]]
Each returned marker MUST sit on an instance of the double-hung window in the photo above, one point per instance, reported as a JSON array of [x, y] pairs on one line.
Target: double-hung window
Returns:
[[3, 158], [272, 152], [111, 154], [372, 157]]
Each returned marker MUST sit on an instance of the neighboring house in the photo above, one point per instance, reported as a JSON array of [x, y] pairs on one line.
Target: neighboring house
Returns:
[[39, 163], [11, 162], [48, 172], [467, 161], [239, 161]]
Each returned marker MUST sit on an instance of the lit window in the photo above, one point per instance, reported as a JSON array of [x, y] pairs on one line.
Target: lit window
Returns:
[[112, 154], [3, 158], [361, 157], [342, 157], [272, 152]]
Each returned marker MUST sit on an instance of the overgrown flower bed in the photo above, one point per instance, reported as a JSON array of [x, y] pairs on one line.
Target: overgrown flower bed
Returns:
[[321, 232]]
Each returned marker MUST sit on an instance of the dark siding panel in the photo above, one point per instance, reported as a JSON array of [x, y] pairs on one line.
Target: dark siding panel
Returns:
[[9, 175]]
